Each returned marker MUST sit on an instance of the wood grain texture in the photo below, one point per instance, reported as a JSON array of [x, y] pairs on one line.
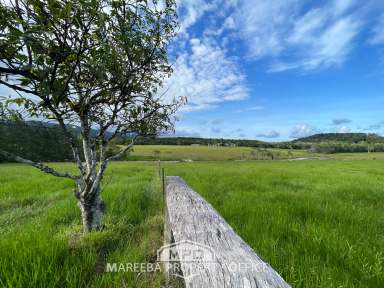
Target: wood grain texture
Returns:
[[190, 218]]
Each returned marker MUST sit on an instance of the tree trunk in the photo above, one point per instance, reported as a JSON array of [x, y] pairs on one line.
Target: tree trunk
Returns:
[[92, 208]]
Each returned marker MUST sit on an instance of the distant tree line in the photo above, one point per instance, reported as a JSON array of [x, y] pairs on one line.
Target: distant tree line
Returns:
[[34, 140], [198, 141], [40, 141], [336, 143], [20, 138], [341, 137], [339, 147]]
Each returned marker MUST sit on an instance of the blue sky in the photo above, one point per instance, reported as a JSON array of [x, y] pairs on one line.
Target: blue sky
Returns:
[[279, 69]]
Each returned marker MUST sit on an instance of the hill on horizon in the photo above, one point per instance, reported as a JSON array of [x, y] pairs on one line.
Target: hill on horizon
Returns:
[[341, 137]]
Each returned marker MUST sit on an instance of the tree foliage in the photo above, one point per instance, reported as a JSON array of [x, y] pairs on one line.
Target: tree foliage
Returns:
[[93, 63]]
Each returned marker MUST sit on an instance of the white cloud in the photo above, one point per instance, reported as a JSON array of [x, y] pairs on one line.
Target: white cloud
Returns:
[[180, 132], [252, 108], [321, 37], [343, 129], [206, 76], [262, 24], [341, 6], [190, 11], [339, 121], [270, 134], [204, 72], [303, 130], [378, 32], [286, 32]]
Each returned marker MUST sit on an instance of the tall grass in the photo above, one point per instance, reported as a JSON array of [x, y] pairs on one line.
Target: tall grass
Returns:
[[318, 223], [40, 240]]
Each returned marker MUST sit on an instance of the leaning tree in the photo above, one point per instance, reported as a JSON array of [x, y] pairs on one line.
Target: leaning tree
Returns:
[[95, 64]]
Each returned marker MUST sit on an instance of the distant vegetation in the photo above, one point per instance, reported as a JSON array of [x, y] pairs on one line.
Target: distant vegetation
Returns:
[[18, 137], [328, 143], [202, 141], [341, 137], [205, 153], [340, 143], [34, 141]]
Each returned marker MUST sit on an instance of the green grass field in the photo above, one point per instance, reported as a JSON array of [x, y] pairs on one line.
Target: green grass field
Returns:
[[205, 153], [318, 223], [357, 156], [40, 240]]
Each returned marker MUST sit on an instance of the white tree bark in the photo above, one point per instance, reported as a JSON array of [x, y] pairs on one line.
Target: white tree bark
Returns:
[[92, 210]]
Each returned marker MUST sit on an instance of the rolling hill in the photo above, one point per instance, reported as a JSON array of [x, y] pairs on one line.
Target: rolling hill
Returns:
[[341, 137]]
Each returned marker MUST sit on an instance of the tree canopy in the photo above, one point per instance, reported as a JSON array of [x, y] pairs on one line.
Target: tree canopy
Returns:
[[97, 64]]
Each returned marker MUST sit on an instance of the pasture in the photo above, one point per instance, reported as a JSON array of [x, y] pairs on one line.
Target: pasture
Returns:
[[205, 153], [40, 229], [318, 223]]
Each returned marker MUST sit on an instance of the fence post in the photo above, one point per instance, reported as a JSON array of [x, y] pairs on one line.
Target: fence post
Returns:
[[164, 193], [163, 179]]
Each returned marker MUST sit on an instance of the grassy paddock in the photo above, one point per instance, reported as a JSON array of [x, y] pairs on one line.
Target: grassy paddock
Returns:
[[205, 153], [40, 243], [319, 223], [357, 156]]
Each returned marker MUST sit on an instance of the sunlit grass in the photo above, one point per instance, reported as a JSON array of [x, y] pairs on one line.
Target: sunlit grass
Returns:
[[205, 153], [40, 231], [319, 223]]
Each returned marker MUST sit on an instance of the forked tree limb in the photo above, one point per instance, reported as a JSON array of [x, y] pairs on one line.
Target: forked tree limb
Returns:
[[38, 165], [123, 151]]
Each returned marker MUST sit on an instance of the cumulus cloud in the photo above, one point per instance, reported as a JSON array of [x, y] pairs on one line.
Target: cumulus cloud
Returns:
[[206, 76], [343, 129], [321, 37], [289, 34], [190, 12], [270, 134], [303, 130], [340, 121], [182, 133], [204, 72]]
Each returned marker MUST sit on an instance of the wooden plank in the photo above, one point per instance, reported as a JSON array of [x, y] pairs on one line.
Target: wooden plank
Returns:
[[191, 219]]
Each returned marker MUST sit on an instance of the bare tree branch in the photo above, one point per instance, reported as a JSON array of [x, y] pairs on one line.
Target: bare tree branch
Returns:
[[123, 151], [18, 88], [38, 165]]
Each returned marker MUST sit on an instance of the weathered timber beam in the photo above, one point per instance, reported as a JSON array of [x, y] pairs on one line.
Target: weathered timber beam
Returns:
[[191, 222]]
